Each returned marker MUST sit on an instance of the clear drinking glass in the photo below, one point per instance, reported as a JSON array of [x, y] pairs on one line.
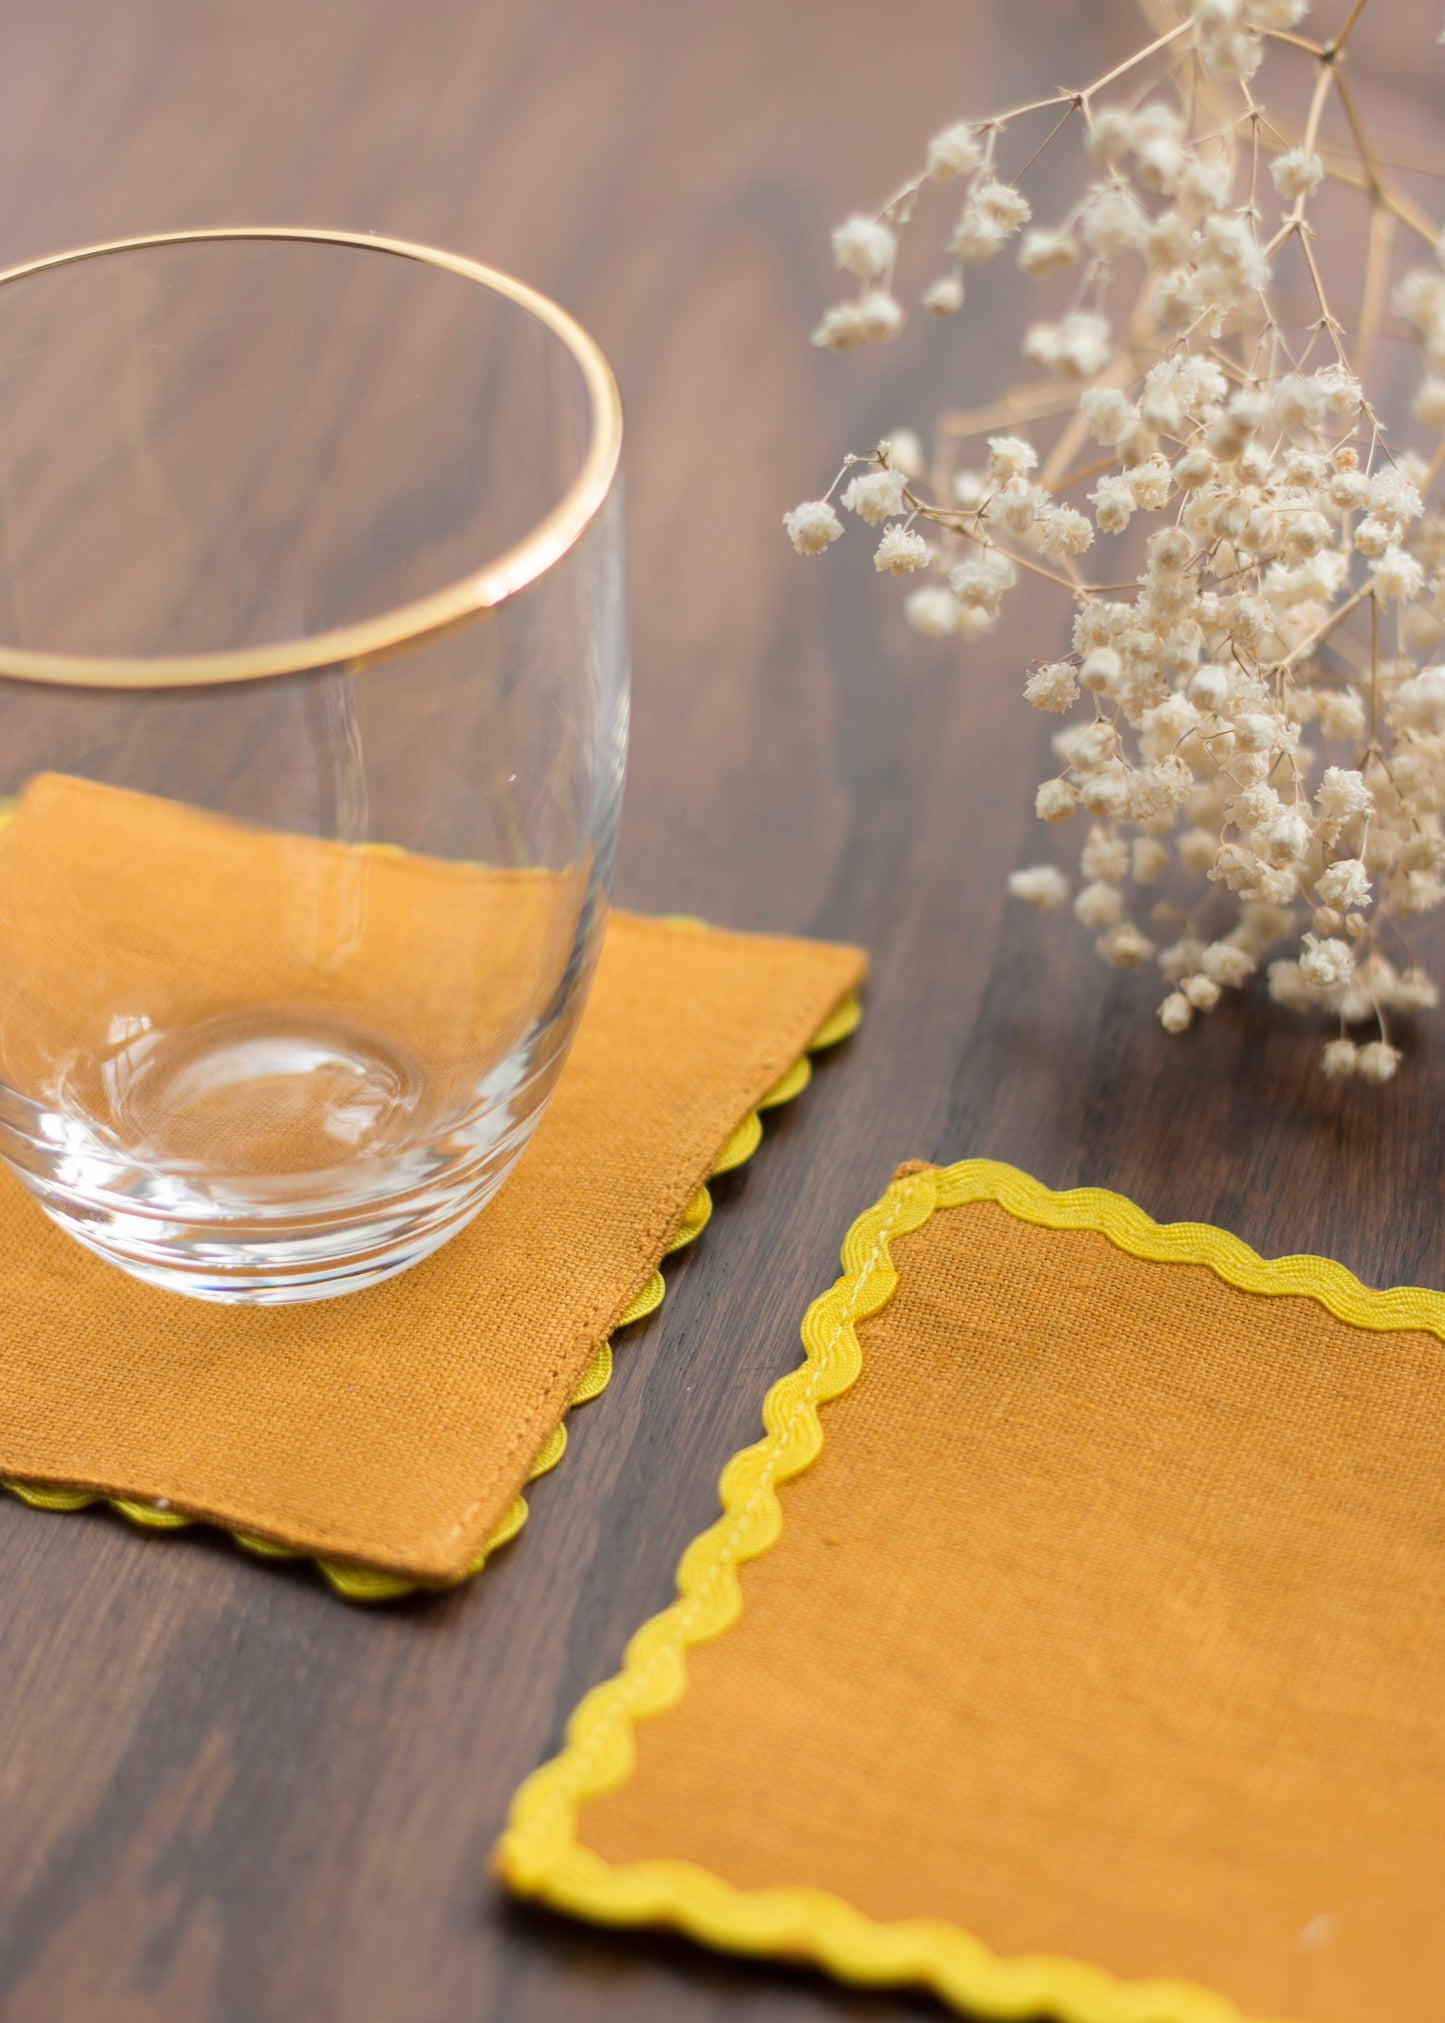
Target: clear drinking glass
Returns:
[[313, 713]]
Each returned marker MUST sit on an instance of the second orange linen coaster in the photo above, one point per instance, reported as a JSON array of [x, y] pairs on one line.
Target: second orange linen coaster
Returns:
[[390, 1432], [1092, 1667]]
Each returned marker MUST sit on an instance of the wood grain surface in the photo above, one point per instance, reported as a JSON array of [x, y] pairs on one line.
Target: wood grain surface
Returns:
[[225, 1797]]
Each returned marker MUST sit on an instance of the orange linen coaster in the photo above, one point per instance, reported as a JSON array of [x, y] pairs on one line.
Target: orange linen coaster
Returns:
[[1094, 1668], [389, 1433]]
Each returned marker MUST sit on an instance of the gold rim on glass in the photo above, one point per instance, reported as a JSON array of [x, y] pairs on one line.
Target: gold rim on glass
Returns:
[[408, 625]]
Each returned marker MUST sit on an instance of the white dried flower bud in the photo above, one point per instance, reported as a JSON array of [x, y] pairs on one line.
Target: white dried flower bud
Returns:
[[1327, 921], [1040, 885], [1160, 789], [1106, 793], [1150, 483], [1226, 964], [1010, 457], [1099, 624], [1236, 868], [982, 580], [1203, 186], [1377, 1062], [1429, 402], [1255, 731], [1424, 851], [1053, 687], [1248, 619], [1176, 1012], [1341, 714], [1297, 173], [976, 238], [1231, 56], [1419, 893], [1113, 502], [1101, 671], [1342, 794], [1124, 946], [1201, 991], [932, 611], [1077, 347], [1235, 262], [1327, 965], [1055, 801], [1183, 642], [1289, 987], [841, 328], [1231, 434], [1338, 1059], [944, 297], [1002, 204], [1181, 958], [1372, 536], [1016, 505], [1110, 136], [864, 246], [1176, 298], [1344, 885], [1045, 252], [1414, 991], [1394, 498], [1343, 393], [1246, 767], [1303, 535], [1148, 859], [1421, 631], [974, 622], [1105, 855], [1260, 534], [1170, 551], [812, 526], [900, 552], [1196, 850], [904, 451], [1254, 808], [879, 316], [1348, 489], [1420, 297], [1160, 404], [1059, 530], [954, 152], [1107, 414], [1209, 687], [1284, 842], [1397, 574], [1099, 905], [1086, 747], [1113, 222], [1195, 468], [1158, 147], [1419, 703], [1296, 403], [875, 495]]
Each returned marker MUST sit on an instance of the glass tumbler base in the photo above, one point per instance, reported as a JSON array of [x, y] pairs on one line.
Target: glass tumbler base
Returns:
[[266, 1158], [243, 1273]]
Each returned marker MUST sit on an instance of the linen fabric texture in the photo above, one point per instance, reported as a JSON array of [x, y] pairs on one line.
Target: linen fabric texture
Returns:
[[394, 1427], [1102, 1644]]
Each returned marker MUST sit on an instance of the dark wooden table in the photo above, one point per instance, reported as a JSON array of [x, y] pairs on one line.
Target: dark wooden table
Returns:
[[224, 1796]]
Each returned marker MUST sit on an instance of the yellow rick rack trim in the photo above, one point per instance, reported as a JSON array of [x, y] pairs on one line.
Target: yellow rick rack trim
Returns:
[[540, 1855], [364, 1584]]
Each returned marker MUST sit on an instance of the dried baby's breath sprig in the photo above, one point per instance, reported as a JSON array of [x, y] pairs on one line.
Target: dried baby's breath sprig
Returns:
[[1251, 695]]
